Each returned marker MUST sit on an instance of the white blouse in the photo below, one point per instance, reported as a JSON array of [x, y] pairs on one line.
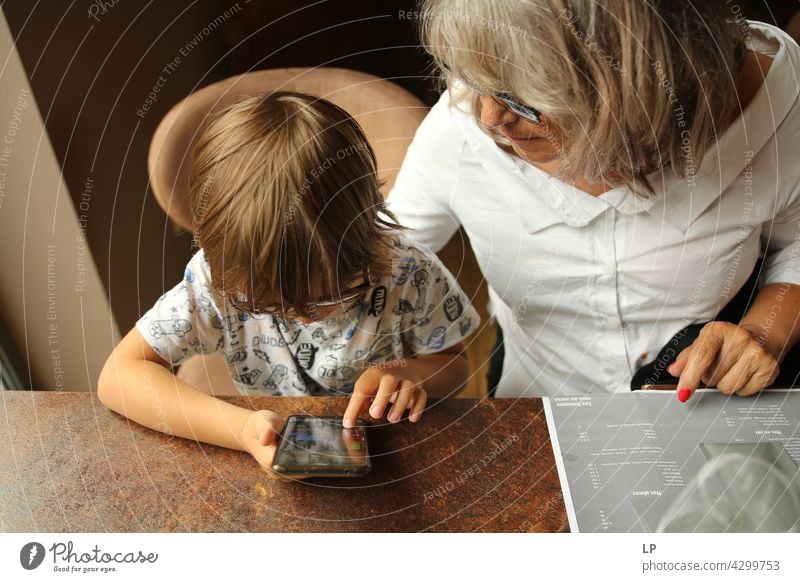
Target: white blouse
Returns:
[[588, 289]]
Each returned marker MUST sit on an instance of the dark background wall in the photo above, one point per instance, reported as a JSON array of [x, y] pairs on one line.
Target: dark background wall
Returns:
[[92, 65], [91, 73]]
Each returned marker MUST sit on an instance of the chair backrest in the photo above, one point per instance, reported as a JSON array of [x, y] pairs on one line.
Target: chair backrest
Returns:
[[388, 114]]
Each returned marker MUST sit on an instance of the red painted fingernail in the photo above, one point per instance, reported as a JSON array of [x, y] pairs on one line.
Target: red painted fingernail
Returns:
[[683, 394]]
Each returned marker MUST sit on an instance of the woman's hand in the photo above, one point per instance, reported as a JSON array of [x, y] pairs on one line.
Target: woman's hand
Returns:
[[734, 358], [394, 383], [259, 438]]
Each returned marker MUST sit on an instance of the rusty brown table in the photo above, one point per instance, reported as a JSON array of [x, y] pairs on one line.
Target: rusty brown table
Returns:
[[67, 463]]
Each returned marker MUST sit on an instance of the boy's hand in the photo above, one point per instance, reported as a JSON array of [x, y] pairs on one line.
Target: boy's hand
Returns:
[[381, 385], [259, 437]]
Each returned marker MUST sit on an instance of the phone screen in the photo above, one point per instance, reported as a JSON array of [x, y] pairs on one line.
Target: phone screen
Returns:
[[321, 446]]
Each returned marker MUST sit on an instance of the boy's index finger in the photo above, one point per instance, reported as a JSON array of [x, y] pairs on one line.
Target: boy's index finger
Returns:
[[353, 410], [701, 357], [361, 394]]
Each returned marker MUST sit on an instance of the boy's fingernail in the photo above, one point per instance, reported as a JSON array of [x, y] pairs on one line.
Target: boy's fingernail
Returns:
[[393, 417], [376, 411], [671, 369], [414, 417], [683, 394], [347, 422]]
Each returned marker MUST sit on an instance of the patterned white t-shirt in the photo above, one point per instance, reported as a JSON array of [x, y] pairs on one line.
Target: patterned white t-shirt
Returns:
[[417, 309]]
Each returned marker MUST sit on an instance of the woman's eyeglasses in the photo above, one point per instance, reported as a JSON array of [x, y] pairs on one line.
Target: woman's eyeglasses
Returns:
[[517, 108], [504, 99]]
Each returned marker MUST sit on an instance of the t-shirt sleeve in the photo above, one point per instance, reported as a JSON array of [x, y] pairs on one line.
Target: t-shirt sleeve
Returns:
[[420, 196], [437, 313], [185, 321]]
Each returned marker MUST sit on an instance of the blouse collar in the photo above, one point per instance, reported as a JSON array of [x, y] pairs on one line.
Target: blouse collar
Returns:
[[543, 200]]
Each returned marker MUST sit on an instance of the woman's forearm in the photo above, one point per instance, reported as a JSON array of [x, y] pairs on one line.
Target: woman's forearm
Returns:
[[151, 395], [774, 318]]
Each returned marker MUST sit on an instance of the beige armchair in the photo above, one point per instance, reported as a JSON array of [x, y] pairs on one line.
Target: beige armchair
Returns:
[[388, 113]]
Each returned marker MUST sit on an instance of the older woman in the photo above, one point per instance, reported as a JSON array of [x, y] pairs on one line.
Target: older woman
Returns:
[[619, 168]]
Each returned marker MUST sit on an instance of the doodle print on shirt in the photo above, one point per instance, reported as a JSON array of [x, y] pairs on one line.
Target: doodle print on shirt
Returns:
[[420, 282], [278, 376], [378, 300], [405, 312], [174, 326], [425, 319], [362, 311], [249, 377], [406, 267], [236, 357], [306, 352], [452, 308], [198, 346], [437, 337], [403, 306]]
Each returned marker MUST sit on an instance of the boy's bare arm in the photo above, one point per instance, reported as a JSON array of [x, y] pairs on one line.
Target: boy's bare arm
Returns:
[[442, 374], [137, 383]]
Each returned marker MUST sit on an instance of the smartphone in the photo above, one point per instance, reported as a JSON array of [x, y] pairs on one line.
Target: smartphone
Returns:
[[319, 446]]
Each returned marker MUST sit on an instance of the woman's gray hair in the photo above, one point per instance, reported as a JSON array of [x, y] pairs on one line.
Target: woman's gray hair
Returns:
[[632, 86]]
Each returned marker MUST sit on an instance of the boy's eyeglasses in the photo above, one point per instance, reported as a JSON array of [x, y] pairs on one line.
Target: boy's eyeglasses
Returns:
[[349, 298]]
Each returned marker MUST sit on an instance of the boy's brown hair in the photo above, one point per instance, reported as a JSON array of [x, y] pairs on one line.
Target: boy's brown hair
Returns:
[[286, 204]]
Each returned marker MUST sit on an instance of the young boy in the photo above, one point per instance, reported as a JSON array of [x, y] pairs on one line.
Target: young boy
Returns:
[[303, 282]]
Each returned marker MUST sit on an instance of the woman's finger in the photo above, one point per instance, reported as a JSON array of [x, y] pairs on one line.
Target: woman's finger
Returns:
[[703, 353], [676, 367], [726, 359], [737, 377], [765, 371]]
